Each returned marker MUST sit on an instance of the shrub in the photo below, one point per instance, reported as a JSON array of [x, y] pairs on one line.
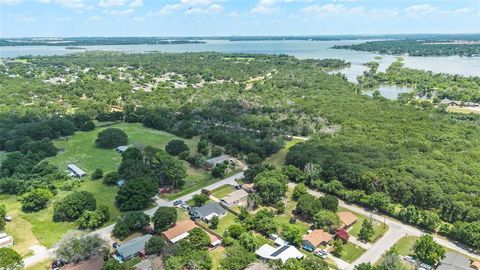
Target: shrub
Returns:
[[175, 147], [73, 206], [111, 138], [36, 199]]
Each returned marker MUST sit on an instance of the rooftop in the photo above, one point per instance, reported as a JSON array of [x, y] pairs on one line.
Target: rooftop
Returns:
[[347, 218], [179, 231], [95, 263], [283, 253], [133, 246], [316, 237], [75, 169], [235, 196], [208, 209], [454, 261], [218, 159]]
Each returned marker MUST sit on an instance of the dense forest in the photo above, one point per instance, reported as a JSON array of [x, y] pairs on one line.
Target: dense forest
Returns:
[[429, 47], [368, 150]]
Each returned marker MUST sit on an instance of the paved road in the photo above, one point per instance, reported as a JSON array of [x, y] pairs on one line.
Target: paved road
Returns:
[[396, 231], [42, 254]]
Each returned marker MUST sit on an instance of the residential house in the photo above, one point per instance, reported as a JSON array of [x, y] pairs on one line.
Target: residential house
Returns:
[[210, 163], [74, 170], [5, 240], [182, 229], [343, 235], [283, 253], [347, 219], [121, 149], [207, 211], [235, 197], [454, 261], [95, 263], [316, 238], [133, 247]]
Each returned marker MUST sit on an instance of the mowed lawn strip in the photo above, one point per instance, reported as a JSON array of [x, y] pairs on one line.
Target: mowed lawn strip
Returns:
[[351, 252], [278, 159], [222, 191], [404, 245]]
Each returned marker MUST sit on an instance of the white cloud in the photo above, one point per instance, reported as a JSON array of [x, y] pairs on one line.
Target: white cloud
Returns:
[[21, 17], [265, 7], [95, 18], [73, 4], [463, 10], [332, 9], [420, 9], [111, 3], [190, 7], [9, 2], [121, 12], [136, 4]]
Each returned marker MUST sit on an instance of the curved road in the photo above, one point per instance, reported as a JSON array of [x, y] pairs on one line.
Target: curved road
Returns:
[[42, 253]]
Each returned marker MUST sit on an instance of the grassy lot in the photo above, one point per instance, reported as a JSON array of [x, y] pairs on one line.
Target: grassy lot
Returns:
[[278, 159], [225, 222], [380, 228], [404, 245], [80, 148], [19, 228], [284, 219], [351, 252], [182, 214], [104, 194], [458, 109], [222, 191], [217, 256]]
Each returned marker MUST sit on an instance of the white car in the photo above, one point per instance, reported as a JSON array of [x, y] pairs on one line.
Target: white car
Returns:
[[410, 259], [321, 253]]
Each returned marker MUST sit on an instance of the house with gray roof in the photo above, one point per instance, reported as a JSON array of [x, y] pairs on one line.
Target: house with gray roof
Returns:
[[132, 247], [208, 211], [454, 261], [210, 163], [75, 171]]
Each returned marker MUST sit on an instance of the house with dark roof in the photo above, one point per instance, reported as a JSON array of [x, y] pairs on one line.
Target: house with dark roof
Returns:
[[207, 211], [133, 247], [454, 261], [316, 238]]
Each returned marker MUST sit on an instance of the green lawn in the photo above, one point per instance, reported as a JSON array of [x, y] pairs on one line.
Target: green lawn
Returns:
[[404, 245], [351, 252], [380, 228], [217, 256], [223, 191], [278, 159], [45, 265], [104, 194], [81, 150], [3, 156], [225, 222], [182, 214]]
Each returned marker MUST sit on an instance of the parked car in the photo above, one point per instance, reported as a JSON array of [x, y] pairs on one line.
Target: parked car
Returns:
[[321, 253], [238, 187], [410, 259], [115, 245], [425, 266], [178, 202]]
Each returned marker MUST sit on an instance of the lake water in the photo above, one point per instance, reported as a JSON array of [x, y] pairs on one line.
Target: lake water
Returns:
[[390, 91], [468, 66]]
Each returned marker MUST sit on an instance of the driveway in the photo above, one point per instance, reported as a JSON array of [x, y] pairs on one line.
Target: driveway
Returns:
[[396, 231], [42, 253]]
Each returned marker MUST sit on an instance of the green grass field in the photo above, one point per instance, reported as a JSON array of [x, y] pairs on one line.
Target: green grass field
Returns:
[[222, 191], [404, 245], [351, 252], [3, 156], [104, 194], [225, 222], [218, 254], [278, 159]]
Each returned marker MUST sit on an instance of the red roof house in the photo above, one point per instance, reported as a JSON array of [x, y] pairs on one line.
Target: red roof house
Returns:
[[342, 234]]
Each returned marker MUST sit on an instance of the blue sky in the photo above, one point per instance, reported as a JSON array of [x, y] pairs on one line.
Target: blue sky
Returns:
[[20, 18]]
